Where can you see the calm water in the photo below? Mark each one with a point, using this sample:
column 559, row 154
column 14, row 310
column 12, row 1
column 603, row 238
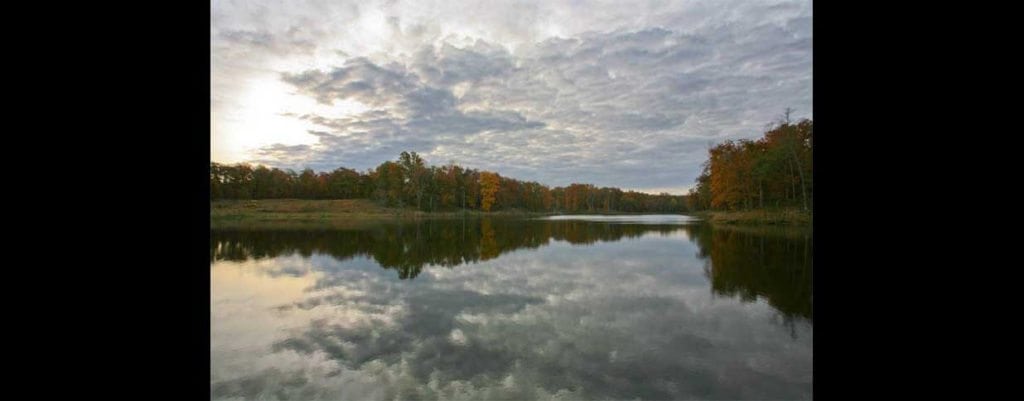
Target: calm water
column 622, row 307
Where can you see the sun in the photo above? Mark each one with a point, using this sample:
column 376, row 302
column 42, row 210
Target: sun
column 268, row 112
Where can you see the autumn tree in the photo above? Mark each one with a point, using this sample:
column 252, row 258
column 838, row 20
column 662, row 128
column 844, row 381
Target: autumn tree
column 775, row 170
column 410, row 181
column 488, row 189
column 389, row 184
column 699, row 197
column 414, row 177
column 343, row 183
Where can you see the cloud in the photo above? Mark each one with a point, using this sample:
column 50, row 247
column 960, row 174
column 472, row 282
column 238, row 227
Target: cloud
column 626, row 96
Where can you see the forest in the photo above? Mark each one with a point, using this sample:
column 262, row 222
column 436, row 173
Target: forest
column 409, row 182
column 773, row 172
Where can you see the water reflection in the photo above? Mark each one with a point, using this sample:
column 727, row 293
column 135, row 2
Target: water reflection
column 406, row 248
column 512, row 309
column 771, row 263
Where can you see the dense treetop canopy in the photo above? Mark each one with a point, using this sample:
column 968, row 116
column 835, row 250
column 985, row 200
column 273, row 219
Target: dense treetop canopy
column 410, row 182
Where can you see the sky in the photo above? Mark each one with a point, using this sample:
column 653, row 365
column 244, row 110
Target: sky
column 611, row 93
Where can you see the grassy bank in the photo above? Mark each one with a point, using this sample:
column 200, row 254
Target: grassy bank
column 790, row 217
column 340, row 213
column 354, row 213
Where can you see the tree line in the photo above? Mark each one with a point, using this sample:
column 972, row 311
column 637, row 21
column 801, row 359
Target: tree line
column 774, row 171
column 410, row 182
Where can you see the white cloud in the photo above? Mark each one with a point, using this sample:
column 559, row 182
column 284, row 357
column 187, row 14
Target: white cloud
column 607, row 92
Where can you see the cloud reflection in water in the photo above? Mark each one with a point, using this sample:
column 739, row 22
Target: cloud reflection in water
column 511, row 309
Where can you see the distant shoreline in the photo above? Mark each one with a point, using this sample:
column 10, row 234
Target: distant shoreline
column 784, row 217
column 355, row 213
column 340, row 213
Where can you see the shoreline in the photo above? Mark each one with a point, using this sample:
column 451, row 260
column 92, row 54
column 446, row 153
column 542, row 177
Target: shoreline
column 356, row 213
column 784, row 217
column 340, row 213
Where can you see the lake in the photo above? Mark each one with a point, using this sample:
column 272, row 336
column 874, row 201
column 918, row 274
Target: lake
column 568, row 307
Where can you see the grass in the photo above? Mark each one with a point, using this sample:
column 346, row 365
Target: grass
column 355, row 213
column 339, row 213
column 791, row 217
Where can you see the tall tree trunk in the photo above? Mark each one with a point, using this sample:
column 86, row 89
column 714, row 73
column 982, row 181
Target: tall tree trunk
column 761, row 193
column 803, row 185
column 792, row 182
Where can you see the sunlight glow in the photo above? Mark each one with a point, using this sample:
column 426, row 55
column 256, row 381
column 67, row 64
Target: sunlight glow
column 260, row 120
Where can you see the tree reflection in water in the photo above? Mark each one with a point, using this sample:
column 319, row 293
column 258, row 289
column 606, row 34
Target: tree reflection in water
column 627, row 320
column 408, row 247
column 773, row 264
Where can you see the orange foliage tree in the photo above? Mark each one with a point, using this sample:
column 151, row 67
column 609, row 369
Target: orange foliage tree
column 488, row 189
column 410, row 182
column 773, row 171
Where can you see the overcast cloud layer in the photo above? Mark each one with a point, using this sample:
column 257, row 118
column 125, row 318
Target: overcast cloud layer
column 625, row 94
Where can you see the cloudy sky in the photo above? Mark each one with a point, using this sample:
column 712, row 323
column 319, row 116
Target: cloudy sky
column 613, row 93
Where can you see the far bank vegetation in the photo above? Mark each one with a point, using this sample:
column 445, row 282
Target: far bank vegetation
column 768, row 180
column 409, row 183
